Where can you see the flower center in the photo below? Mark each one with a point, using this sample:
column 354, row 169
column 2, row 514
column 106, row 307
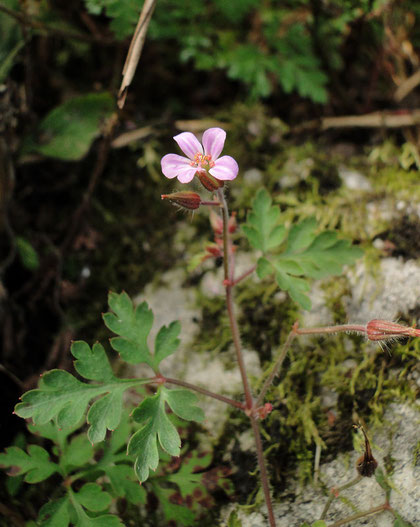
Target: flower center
column 202, row 161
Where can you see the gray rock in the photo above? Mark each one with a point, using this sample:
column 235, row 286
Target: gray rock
column 394, row 290
column 397, row 439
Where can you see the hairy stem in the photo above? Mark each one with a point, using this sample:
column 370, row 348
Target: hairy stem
column 276, row 367
column 229, row 280
column 244, row 275
column 374, row 510
column 338, row 490
column 203, row 391
column 228, row 272
column 345, row 328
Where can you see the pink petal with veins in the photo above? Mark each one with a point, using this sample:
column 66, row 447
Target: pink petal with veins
column 213, row 142
column 172, row 164
column 225, row 169
column 189, row 144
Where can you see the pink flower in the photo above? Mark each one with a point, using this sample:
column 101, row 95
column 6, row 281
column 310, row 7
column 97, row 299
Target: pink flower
column 198, row 159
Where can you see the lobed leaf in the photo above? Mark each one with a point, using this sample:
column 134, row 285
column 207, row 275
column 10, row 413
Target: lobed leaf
column 60, row 396
column 92, row 364
column 123, row 484
column 77, row 453
column 305, row 255
column 35, row 464
column 158, row 429
column 133, row 326
column 167, row 341
column 261, row 228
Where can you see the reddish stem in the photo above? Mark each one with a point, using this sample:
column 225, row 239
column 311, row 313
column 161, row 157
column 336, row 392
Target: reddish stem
column 228, row 280
column 203, row 391
column 211, row 203
column 243, row 276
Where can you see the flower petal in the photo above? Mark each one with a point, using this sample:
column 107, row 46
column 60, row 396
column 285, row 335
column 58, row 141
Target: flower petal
column 213, row 142
column 187, row 174
column 173, row 164
column 189, row 144
column 225, row 169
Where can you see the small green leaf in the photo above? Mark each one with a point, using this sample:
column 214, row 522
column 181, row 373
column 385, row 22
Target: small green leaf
column 59, row 395
column 261, row 229
column 62, row 397
column 264, row 268
column 78, row 452
column 69, row 129
column 105, row 414
column 183, row 404
column 35, row 464
column 167, row 341
column 233, row 520
column 121, row 478
column 27, row 253
column 92, row 497
column 300, row 235
column 55, row 514
column 92, row 363
column 133, row 326
column 400, row 522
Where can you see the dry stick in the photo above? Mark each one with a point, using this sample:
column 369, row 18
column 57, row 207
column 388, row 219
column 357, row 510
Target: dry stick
column 228, row 274
column 26, row 21
column 384, row 119
column 134, row 51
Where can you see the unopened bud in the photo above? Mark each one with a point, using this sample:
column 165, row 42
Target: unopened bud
column 216, row 222
column 208, row 181
column 232, row 224
column 214, row 250
column 385, row 330
column 263, row 411
column 186, row 199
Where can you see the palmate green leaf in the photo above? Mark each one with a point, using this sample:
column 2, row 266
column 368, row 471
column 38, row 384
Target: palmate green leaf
column 261, row 228
column 133, row 326
column 65, row 399
column 306, row 254
column 35, row 464
column 158, row 429
column 317, row 256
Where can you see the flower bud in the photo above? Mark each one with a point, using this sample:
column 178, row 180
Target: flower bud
column 232, row 224
column 263, row 411
column 186, row 199
column 385, row 330
column 208, row 181
column 216, row 222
